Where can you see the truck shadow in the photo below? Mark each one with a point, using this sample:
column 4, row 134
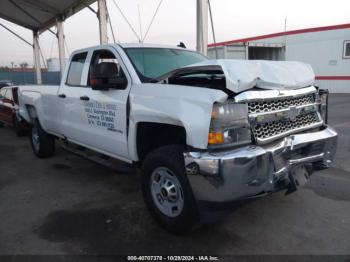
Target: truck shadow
column 126, row 229
column 325, row 185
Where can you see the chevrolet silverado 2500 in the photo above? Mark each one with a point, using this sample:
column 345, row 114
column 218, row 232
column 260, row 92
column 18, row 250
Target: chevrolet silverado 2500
column 202, row 131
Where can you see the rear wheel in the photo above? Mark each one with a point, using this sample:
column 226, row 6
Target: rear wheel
column 18, row 128
column 43, row 144
column 166, row 190
column 1, row 124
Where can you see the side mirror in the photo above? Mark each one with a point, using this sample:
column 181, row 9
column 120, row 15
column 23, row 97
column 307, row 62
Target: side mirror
column 105, row 76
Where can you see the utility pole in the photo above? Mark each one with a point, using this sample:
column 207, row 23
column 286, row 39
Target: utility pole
column 102, row 18
column 202, row 26
column 61, row 50
column 36, row 52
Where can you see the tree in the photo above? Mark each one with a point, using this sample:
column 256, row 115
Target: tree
column 23, row 65
column 4, row 69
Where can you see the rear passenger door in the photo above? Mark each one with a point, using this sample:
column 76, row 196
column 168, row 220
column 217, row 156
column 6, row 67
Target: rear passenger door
column 68, row 99
column 95, row 118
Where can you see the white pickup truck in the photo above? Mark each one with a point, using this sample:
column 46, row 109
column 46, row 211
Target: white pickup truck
column 202, row 131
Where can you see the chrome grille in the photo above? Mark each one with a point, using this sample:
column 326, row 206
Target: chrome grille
column 278, row 104
column 274, row 114
column 276, row 128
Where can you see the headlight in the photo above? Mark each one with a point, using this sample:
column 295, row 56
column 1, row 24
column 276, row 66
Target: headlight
column 323, row 99
column 229, row 125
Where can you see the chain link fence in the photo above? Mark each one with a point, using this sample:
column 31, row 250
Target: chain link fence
column 28, row 78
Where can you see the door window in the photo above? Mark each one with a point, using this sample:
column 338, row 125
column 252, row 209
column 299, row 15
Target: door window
column 108, row 67
column 2, row 93
column 346, row 49
column 76, row 69
column 8, row 94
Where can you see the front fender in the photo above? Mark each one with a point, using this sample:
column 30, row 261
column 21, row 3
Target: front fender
column 186, row 106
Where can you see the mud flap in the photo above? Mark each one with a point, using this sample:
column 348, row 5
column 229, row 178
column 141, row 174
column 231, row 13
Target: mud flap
column 298, row 177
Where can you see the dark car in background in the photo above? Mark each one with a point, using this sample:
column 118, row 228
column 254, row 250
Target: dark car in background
column 9, row 110
column 4, row 83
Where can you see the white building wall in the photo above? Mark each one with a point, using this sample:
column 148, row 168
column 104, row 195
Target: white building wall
column 228, row 52
column 334, row 86
column 236, row 52
column 323, row 50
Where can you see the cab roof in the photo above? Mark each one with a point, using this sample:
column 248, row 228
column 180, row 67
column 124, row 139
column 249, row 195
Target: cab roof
column 131, row 45
column 141, row 45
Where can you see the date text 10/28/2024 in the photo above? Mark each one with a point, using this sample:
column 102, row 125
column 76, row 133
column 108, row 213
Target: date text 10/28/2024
column 173, row 258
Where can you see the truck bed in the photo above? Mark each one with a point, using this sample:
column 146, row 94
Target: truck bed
column 46, row 102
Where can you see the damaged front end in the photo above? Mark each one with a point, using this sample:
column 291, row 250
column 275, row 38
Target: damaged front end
column 256, row 170
column 289, row 136
column 237, row 76
column 269, row 135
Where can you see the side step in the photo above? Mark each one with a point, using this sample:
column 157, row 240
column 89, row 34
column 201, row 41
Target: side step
column 101, row 159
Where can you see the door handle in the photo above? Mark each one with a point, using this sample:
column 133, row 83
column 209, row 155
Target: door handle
column 85, row 98
column 62, row 96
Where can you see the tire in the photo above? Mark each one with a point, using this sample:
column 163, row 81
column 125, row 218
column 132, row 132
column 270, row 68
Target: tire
column 18, row 129
column 43, row 144
column 165, row 183
column 1, row 124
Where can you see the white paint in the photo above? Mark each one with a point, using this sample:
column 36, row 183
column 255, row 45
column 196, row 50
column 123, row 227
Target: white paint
column 185, row 106
column 245, row 74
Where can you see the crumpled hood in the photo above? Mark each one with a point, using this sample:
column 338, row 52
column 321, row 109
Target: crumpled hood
column 242, row 75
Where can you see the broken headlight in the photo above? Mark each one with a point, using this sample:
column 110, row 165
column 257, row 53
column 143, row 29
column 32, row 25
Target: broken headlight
column 323, row 100
column 229, row 125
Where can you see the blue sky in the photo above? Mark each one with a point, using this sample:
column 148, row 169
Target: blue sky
column 175, row 22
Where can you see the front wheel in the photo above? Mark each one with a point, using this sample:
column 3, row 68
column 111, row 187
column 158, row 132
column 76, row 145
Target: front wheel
column 43, row 144
column 166, row 190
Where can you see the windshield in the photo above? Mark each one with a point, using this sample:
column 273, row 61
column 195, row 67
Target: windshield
column 151, row 63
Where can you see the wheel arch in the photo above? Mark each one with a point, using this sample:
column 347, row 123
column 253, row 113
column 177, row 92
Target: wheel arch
column 32, row 112
column 32, row 115
column 152, row 135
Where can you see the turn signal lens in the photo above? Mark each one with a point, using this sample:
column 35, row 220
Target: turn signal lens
column 215, row 138
column 229, row 125
column 93, row 81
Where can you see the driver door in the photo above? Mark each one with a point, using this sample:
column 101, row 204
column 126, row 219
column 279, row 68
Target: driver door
column 97, row 118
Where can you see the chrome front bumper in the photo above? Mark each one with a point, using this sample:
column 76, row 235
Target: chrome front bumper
column 254, row 170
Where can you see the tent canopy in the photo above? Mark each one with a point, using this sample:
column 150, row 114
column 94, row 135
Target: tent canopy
column 39, row 15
